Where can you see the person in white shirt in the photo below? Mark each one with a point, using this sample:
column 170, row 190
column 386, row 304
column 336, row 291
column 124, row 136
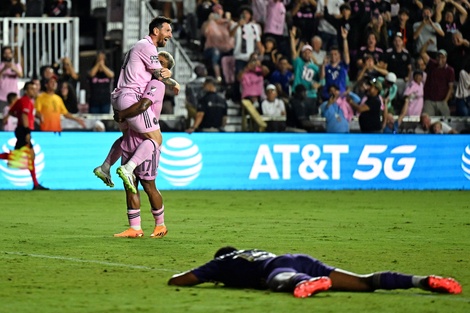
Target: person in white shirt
column 274, row 107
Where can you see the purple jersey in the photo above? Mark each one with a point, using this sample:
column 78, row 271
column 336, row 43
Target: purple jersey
column 240, row 269
column 252, row 268
column 138, row 66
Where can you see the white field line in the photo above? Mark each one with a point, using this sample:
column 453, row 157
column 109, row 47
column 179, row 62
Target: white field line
column 63, row 258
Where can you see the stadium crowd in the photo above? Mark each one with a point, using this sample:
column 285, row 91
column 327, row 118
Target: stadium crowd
column 377, row 60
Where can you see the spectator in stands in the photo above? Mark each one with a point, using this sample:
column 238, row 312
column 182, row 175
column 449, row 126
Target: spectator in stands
column 274, row 107
column 218, row 43
column 10, row 122
column 51, row 107
column 426, row 31
column 16, row 8
column 34, row 8
column 211, row 113
column 195, row 90
column 251, row 80
column 371, row 49
column 459, row 54
column 337, row 67
column 335, row 120
column 379, row 27
column 341, row 21
column 282, row 78
column 10, row 72
column 419, row 66
column 47, row 72
column 69, row 97
column 271, row 55
column 326, row 31
column 439, row 85
column 462, row 94
column 318, row 54
column 306, row 72
column 299, row 110
column 403, row 26
column 414, row 94
column 275, row 26
column 369, row 70
column 392, row 126
column 68, row 72
column 369, row 109
column 168, row 10
column 398, row 60
column 58, row 8
column 303, row 13
column 426, row 122
column 449, row 22
column 247, row 36
column 389, row 90
column 100, row 81
column 384, row 9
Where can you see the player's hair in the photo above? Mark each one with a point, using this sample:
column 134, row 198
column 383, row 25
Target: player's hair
column 224, row 251
column 11, row 96
column 27, row 84
column 169, row 57
column 158, row 23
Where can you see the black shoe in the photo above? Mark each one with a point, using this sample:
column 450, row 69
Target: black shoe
column 40, row 187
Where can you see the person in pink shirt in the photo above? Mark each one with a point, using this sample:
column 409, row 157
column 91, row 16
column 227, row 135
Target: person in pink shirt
column 414, row 94
column 10, row 72
column 10, row 122
column 251, row 80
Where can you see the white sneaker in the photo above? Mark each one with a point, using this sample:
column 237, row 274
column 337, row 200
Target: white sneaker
column 104, row 176
column 128, row 178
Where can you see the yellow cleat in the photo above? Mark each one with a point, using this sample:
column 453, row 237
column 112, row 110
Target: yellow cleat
column 159, row 232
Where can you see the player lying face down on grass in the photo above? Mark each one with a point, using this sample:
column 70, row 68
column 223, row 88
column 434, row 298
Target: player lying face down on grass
column 299, row 274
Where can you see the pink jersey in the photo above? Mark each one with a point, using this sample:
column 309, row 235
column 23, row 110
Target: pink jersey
column 414, row 92
column 275, row 17
column 138, row 66
column 12, row 121
column 132, row 139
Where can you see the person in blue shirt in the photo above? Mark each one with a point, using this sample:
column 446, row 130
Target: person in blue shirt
column 299, row 274
column 332, row 112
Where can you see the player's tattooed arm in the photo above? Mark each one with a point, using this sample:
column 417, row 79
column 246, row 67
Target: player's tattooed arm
column 134, row 110
column 164, row 75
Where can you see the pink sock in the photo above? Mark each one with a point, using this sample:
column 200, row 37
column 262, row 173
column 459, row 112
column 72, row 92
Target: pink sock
column 115, row 152
column 133, row 216
column 143, row 152
column 159, row 216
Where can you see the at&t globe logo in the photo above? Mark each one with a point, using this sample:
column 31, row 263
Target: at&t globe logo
column 180, row 161
column 466, row 162
column 17, row 177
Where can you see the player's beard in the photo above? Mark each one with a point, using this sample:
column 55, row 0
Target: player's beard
column 161, row 43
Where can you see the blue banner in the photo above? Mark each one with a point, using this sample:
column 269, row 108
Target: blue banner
column 257, row 161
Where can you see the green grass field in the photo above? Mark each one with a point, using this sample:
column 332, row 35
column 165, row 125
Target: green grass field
column 58, row 253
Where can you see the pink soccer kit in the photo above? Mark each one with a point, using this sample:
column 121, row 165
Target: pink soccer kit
column 134, row 146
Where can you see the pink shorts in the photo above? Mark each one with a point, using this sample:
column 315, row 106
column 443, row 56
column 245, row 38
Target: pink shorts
column 148, row 169
column 143, row 123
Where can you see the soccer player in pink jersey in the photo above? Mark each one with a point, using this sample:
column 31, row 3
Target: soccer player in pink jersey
column 140, row 65
column 135, row 148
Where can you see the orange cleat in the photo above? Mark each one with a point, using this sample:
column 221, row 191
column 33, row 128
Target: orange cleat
column 444, row 285
column 130, row 233
column 310, row 287
column 159, row 232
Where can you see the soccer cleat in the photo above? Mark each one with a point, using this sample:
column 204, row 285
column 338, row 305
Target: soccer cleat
column 104, row 176
column 310, row 287
column 128, row 178
column 130, row 233
column 444, row 285
column 159, row 232
column 40, row 187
